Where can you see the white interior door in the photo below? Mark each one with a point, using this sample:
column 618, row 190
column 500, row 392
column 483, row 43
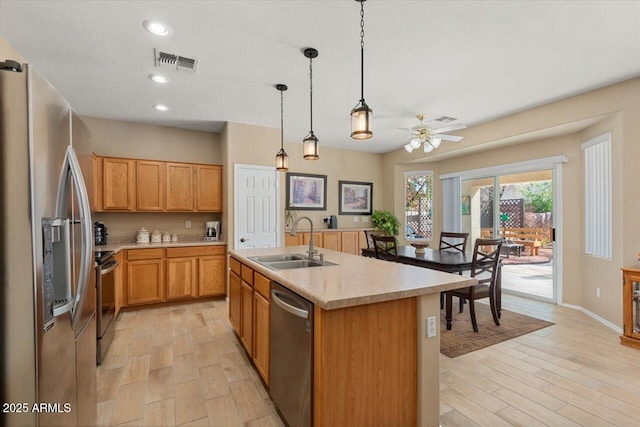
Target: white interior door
column 255, row 206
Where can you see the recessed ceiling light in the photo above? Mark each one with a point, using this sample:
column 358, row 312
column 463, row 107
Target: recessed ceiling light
column 161, row 107
column 158, row 78
column 157, row 28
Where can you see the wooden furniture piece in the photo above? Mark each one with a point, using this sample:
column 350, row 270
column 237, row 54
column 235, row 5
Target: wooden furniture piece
column 484, row 268
column 631, row 307
column 509, row 245
column 385, row 247
column 156, row 275
column 139, row 185
column 531, row 237
column 454, row 242
column 250, row 313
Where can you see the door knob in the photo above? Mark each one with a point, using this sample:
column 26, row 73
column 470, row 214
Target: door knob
column 242, row 240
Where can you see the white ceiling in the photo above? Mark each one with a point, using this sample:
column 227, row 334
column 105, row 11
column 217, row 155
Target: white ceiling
column 473, row 60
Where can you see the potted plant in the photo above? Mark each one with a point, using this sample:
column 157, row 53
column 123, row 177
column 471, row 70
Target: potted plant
column 290, row 216
column 385, row 221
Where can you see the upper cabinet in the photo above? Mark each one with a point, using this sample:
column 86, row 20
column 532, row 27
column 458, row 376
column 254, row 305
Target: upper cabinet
column 136, row 185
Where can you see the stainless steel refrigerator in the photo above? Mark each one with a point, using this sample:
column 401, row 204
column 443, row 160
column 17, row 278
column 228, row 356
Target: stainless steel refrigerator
column 48, row 272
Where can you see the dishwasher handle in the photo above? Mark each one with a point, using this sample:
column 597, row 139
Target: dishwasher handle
column 288, row 307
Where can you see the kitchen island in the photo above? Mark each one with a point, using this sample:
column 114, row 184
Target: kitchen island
column 372, row 361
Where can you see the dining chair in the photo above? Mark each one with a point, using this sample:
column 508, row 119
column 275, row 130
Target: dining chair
column 386, row 247
column 369, row 235
column 454, row 242
column 485, row 268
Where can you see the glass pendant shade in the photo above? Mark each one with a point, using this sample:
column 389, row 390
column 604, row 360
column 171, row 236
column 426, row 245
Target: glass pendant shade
column 361, row 121
column 282, row 161
column 435, row 142
column 428, row 147
column 310, row 147
column 409, row 148
column 415, row 143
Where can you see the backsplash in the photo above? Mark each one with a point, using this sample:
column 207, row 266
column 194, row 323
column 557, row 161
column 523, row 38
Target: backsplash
column 122, row 226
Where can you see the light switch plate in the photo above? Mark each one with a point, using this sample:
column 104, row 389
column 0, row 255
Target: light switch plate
column 365, row 219
column 431, row 326
column 187, row 224
column 356, row 218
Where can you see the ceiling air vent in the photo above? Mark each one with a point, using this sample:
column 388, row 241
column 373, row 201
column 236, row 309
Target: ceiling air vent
column 175, row 62
column 445, row 119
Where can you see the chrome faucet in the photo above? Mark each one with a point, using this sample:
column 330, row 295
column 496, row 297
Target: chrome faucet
column 312, row 250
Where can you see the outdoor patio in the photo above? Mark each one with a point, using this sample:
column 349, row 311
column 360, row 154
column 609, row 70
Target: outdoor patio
column 528, row 274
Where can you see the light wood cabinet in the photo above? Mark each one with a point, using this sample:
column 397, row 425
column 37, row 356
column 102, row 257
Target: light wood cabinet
column 317, row 239
column 211, row 272
column 181, row 278
column 140, row 185
column 246, row 313
column 261, row 325
column 150, row 181
column 235, row 300
column 145, row 281
column 179, row 187
column 290, row 240
column 332, row 240
column 119, row 280
column 631, row 307
column 208, row 188
column 117, row 182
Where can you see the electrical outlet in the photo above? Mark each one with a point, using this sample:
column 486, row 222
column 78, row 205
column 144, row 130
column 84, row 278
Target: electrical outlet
column 356, row 218
column 365, row 219
column 431, row 326
column 598, row 292
column 187, row 224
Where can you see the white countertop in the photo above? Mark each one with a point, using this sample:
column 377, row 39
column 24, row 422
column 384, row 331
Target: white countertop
column 116, row 247
column 355, row 280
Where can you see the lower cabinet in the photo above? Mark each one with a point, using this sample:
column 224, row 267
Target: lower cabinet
column 342, row 241
column 119, row 280
column 165, row 274
column 250, row 312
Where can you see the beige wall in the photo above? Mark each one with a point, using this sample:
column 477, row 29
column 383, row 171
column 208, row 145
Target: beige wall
column 612, row 109
column 255, row 145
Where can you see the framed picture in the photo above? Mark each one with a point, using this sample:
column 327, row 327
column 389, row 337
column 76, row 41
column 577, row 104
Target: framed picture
column 306, row 192
column 355, row 198
column 466, row 205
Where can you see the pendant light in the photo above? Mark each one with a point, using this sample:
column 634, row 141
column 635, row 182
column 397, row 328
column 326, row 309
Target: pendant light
column 282, row 160
column 310, row 142
column 361, row 114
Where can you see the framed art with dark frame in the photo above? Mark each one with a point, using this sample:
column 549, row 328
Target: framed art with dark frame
column 356, row 198
column 306, row 192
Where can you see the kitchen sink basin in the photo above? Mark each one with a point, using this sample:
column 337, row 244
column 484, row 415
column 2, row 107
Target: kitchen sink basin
column 276, row 258
column 286, row 262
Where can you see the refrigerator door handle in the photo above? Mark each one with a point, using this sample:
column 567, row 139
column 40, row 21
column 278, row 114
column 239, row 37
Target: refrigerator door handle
column 71, row 169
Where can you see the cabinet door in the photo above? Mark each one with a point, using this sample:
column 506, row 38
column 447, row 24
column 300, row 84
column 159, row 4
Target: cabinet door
column 149, row 185
column 350, row 243
column 118, row 281
column 208, row 188
column 246, row 312
column 144, row 281
column 235, row 300
column 317, row 239
column 117, row 184
column 261, row 322
column 362, row 240
column 331, row 240
column 290, row 240
column 179, row 187
column 181, row 278
column 96, row 197
column 211, row 275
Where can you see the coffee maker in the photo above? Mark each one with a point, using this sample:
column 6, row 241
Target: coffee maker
column 212, row 231
column 100, row 233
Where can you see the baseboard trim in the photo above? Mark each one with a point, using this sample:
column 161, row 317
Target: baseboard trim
column 595, row 316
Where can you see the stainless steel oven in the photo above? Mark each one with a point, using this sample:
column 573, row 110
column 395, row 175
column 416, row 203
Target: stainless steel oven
column 106, row 303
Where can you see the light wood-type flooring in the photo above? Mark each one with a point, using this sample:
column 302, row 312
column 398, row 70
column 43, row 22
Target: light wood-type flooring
column 182, row 365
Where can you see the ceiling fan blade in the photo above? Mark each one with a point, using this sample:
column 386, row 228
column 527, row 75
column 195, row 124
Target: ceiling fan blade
column 449, row 128
column 450, row 138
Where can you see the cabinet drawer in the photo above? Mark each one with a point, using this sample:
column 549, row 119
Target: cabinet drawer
column 247, row 274
column 262, row 284
column 190, row 251
column 234, row 265
column 136, row 254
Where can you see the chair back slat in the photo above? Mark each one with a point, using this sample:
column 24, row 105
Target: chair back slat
column 486, row 261
column 369, row 235
column 386, row 247
column 453, row 241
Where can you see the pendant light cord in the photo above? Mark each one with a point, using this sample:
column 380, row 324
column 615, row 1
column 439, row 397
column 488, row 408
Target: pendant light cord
column 281, row 120
column 362, row 51
column 311, row 91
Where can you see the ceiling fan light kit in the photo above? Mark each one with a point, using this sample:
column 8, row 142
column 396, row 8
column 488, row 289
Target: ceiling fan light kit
column 361, row 114
column 429, row 138
column 310, row 142
column 282, row 159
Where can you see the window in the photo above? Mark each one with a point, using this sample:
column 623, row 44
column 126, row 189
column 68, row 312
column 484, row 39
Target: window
column 418, row 208
column 597, row 196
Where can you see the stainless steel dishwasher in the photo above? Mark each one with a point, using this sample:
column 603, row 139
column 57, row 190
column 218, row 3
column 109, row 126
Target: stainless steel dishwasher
column 291, row 355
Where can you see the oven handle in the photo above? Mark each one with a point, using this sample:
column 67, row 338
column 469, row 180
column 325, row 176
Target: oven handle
column 112, row 266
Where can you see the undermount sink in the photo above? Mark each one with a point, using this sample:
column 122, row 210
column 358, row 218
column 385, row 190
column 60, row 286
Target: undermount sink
column 286, row 262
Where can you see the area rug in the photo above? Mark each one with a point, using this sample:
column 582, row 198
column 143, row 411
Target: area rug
column 462, row 340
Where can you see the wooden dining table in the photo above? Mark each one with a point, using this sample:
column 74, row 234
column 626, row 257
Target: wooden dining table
column 441, row 260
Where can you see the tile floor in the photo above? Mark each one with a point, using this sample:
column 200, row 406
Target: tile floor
column 180, row 365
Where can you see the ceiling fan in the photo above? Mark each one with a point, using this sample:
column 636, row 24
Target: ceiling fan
column 431, row 132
